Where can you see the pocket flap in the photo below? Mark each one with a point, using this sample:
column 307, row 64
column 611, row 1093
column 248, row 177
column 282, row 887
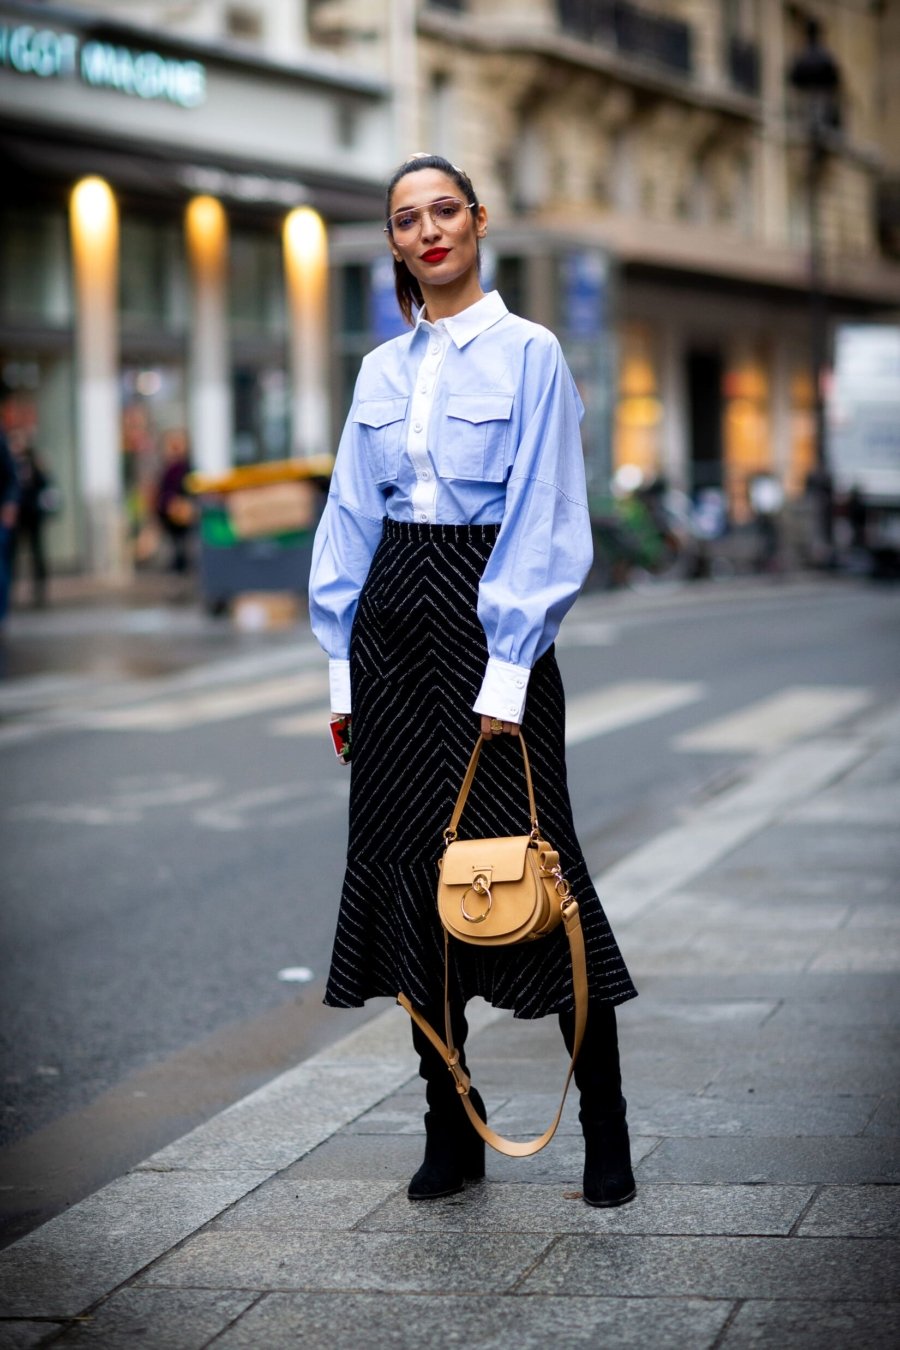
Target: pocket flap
column 379, row 412
column 480, row 407
column 497, row 859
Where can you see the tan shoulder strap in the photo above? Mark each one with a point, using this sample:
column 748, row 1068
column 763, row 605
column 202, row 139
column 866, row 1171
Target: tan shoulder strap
column 448, row 1052
column 450, row 832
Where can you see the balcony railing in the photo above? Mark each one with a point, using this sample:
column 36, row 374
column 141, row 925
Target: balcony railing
column 742, row 61
column 628, row 29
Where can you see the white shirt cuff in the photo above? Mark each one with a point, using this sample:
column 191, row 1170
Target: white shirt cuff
column 339, row 680
column 503, row 691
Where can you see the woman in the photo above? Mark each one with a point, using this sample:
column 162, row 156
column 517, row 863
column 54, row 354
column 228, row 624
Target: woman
column 455, row 538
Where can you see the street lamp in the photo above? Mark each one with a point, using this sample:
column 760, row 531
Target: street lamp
column 816, row 78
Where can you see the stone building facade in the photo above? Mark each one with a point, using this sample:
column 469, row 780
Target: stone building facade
column 666, row 133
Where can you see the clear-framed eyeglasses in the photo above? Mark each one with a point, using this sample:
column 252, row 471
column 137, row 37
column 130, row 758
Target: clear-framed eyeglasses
column 449, row 213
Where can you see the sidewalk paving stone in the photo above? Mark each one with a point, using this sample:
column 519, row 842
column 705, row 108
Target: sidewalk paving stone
column 853, row 1211
column 164, row 1319
column 750, row 1161
column 68, row 1263
column 391, row 1262
column 521, row 1208
column 350, row 1321
column 721, row 1267
column 813, row 1325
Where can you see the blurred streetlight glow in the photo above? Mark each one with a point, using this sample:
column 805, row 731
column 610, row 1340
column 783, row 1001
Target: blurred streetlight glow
column 305, row 250
column 210, row 416
column 94, row 220
column 305, row 244
column 206, row 227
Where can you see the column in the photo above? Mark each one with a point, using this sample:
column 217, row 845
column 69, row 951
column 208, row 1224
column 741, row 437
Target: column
column 210, row 414
column 306, row 273
column 674, row 406
column 94, row 227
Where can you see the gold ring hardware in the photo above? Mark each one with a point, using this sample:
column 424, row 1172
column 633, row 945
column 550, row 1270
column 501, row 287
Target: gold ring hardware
column 449, row 836
column 480, row 886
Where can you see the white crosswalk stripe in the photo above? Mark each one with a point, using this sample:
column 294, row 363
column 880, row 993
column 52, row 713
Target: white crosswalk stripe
column 214, row 705
column 622, row 705
column 587, row 715
column 770, row 724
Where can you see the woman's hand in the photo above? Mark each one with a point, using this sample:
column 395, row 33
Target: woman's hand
column 492, row 726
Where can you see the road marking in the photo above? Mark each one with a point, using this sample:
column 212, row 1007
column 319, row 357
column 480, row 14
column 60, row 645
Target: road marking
column 622, row 705
column 670, row 860
column 587, row 633
column 312, row 723
column 214, row 705
column 587, row 715
column 271, row 807
column 129, row 800
column 770, row 724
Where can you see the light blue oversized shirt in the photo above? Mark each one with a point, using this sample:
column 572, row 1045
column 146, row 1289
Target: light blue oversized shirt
column 471, row 420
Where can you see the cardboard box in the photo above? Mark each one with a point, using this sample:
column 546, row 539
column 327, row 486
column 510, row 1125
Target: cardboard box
column 276, row 508
column 263, row 611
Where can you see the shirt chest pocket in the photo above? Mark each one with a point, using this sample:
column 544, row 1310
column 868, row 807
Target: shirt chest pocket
column 477, row 440
column 380, row 423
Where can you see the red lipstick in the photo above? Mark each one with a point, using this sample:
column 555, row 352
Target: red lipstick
column 435, row 255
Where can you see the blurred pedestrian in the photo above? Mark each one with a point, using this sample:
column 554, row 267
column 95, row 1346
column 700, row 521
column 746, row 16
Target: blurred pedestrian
column 766, row 502
column 455, row 538
column 174, row 506
column 38, row 500
column 9, row 513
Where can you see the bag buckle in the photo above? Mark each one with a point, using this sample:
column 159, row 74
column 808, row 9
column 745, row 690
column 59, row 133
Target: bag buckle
column 460, row 1077
column 481, row 885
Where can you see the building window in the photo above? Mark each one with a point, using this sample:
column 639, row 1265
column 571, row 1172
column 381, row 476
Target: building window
column 347, row 116
column 440, row 114
column 152, row 281
column 256, row 284
column 244, row 23
column 35, row 282
column 624, row 171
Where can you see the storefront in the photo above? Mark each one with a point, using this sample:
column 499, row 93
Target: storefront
column 162, row 256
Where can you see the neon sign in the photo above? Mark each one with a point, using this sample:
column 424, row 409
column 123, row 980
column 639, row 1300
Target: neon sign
column 49, row 55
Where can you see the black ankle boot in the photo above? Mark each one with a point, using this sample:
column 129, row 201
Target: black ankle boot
column 454, row 1152
column 608, row 1178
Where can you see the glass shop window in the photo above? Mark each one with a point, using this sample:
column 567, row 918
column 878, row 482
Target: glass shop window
column 35, row 279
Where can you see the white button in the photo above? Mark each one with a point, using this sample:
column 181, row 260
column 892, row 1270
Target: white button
column 520, row 683
column 425, row 474
column 417, row 426
column 423, row 516
column 434, row 348
column 423, row 388
column 513, row 709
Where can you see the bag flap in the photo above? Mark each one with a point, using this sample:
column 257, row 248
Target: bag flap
column 498, row 859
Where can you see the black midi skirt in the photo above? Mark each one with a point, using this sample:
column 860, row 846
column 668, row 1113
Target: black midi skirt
column 417, row 659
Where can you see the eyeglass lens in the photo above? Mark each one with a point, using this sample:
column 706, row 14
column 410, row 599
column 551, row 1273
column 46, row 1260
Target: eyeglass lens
column 449, row 211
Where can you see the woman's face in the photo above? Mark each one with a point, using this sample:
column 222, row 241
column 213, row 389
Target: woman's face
column 437, row 247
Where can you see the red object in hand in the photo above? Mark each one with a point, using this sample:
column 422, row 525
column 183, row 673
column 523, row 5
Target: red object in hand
column 340, row 734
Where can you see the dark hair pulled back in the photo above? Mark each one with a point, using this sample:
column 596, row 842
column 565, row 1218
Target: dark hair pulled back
column 409, row 293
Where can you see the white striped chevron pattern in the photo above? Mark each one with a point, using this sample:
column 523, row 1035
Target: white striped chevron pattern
column 417, row 659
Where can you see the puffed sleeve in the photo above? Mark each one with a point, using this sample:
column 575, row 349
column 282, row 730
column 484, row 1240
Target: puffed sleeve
column 345, row 543
column 544, row 548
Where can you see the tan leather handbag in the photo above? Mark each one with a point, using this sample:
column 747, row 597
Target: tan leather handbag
column 497, row 892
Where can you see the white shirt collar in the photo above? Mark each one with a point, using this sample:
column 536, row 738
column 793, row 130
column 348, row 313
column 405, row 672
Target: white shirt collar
column 466, row 325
